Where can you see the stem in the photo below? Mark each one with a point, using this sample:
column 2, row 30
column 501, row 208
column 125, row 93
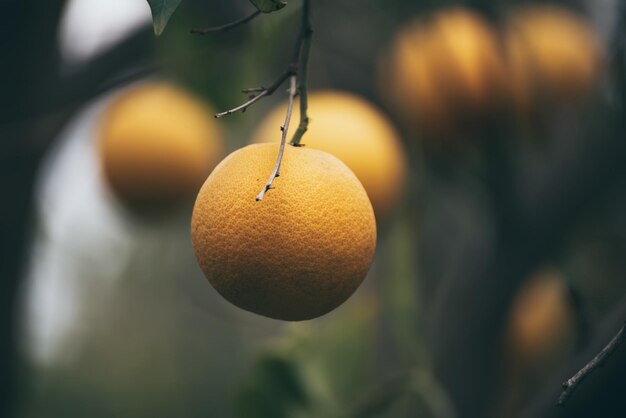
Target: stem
column 298, row 70
column 298, row 66
column 283, row 140
column 262, row 92
column 297, row 73
column 226, row 27
column 306, row 33
column 570, row 384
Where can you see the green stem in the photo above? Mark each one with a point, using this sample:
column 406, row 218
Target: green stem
column 306, row 33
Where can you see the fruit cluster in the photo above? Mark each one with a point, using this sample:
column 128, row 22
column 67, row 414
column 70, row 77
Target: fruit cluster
column 308, row 245
column 453, row 73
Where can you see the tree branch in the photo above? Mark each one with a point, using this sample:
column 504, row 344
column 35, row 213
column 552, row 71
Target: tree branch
column 297, row 67
column 569, row 386
column 283, row 140
column 261, row 92
column 602, row 392
column 297, row 72
column 306, row 33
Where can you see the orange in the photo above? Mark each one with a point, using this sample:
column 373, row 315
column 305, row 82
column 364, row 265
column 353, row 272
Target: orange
column 554, row 55
column 298, row 253
column 408, row 81
column 157, row 145
column 541, row 321
column 353, row 130
column 445, row 73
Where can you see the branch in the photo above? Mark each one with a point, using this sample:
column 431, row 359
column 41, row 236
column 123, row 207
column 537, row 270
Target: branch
column 283, row 140
column 226, row 27
column 299, row 62
column 297, row 73
column 261, row 92
column 570, row 384
column 600, row 394
column 304, row 48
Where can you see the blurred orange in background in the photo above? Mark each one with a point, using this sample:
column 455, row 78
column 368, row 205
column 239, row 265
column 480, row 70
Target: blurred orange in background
column 539, row 335
column 157, row 145
column 554, row 57
column 355, row 131
column 445, row 74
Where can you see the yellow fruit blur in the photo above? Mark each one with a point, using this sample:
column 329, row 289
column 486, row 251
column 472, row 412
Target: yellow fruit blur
column 357, row 133
column 157, row 145
column 554, row 55
column 445, row 75
column 541, row 321
column 298, row 253
column 408, row 81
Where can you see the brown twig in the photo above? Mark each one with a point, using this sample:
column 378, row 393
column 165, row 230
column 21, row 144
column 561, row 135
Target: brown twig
column 297, row 67
column 283, row 140
column 253, row 90
column 297, row 73
column 226, row 27
column 261, row 92
column 570, row 384
column 304, row 48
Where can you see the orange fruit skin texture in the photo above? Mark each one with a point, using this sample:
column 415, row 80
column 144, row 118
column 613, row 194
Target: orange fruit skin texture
column 353, row 130
column 554, row 55
column 298, row 253
column 445, row 74
column 541, row 321
column 157, row 146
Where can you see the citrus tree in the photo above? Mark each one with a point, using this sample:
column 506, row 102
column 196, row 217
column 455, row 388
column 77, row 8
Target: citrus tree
column 475, row 170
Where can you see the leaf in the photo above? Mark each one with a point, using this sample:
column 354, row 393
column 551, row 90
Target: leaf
column 162, row 10
column 268, row 6
column 273, row 390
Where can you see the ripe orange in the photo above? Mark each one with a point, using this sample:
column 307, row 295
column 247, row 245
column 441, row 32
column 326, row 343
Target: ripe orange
column 445, row 74
column 554, row 56
column 157, row 145
column 298, row 253
column 541, row 320
column 353, row 130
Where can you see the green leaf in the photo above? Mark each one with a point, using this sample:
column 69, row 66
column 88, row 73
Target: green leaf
column 273, row 390
column 268, row 6
column 162, row 10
